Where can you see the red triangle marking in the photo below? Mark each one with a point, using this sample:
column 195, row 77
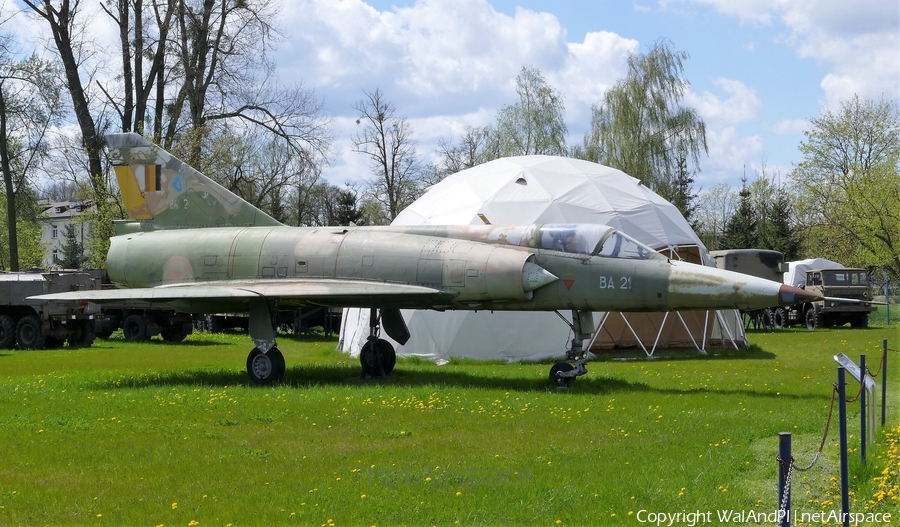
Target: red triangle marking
column 569, row 283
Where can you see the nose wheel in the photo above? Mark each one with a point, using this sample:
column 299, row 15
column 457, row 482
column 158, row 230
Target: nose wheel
column 563, row 374
column 558, row 375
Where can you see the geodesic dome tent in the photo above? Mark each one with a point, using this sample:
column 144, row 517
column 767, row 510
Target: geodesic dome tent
column 549, row 189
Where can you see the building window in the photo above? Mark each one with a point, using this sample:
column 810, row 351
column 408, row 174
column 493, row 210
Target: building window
column 55, row 255
column 54, row 232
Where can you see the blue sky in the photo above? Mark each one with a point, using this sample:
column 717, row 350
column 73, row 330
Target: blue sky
column 758, row 69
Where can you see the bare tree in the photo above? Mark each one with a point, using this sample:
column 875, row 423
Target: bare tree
column 30, row 103
column 144, row 44
column 715, row 208
column 387, row 140
column 67, row 31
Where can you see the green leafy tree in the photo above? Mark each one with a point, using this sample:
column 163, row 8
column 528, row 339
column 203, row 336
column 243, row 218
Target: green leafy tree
column 776, row 228
column 534, row 124
column 849, row 184
column 27, row 231
column 642, row 128
column 741, row 229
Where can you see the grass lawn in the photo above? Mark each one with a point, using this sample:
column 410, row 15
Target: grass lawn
column 159, row 434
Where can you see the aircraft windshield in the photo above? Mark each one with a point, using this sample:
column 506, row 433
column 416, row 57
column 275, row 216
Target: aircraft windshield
column 593, row 239
column 618, row 245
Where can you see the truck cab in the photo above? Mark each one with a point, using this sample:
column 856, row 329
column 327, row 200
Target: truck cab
column 852, row 284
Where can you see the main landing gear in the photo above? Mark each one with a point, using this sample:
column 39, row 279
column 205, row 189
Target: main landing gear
column 265, row 363
column 377, row 356
column 563, row 374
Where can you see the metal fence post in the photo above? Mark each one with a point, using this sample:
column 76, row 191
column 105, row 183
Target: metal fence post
column 845, row 477
column 784, row 469
column 863, row 415
column 884, row 360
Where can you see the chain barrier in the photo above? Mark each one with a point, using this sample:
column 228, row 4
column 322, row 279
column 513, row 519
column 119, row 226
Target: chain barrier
column 787, row 483
column 834, row 392
column 880, row 365
column 791, row 466
column 862, row 386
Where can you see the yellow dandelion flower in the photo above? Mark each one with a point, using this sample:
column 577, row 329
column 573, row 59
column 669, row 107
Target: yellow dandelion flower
column 174, row 506
column 459, row 493
column 362, row 497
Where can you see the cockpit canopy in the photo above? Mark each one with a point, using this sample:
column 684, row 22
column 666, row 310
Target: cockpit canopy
column 593, row 239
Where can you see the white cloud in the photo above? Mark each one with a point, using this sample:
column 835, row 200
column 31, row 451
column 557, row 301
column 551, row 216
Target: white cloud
column 430, row 49
column 742, row 104
column 728, row 155
column 591, row 68
column 791, row 126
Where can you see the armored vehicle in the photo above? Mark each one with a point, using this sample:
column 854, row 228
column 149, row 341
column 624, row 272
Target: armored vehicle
column 38, row 324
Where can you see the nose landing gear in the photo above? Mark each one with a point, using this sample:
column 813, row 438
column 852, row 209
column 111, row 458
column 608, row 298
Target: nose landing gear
column 563, row 374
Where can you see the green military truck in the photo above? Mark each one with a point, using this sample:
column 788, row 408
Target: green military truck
column 31, row 324
column 834, row 284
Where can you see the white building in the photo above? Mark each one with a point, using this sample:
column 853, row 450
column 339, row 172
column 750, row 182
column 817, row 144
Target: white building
column 54, row 218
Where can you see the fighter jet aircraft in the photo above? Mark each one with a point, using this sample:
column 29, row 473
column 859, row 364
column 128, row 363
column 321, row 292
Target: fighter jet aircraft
column 192, row 244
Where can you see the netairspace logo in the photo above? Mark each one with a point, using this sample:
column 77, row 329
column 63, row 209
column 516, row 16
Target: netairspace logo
column 723, row 516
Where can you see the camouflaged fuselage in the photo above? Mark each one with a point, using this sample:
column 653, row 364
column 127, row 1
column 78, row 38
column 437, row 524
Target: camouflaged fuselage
column 471, row 274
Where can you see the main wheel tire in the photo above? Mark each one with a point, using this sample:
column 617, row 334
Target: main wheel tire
column 382, row 352
column 83, row 336
column 812, row 319
column 556, row 379
column 265, row 368
column 7, row 332
column 30, row 333
column 134, row 328
column 779, row 318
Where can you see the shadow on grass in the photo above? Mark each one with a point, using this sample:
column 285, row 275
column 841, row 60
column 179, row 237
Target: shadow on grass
column 306, row 376
column 201, row 341
column 754, row 353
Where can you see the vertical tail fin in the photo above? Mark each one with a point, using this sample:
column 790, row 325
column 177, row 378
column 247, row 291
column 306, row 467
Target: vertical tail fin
column 160, row 189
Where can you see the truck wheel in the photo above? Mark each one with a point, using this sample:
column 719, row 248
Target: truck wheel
column 7, row 332
column 779, row 319
column 30, row 333
column 173, row 333
column 812, row 319
column 860, row 320
column 215, row 324
column 83, row 335
column 134, row 328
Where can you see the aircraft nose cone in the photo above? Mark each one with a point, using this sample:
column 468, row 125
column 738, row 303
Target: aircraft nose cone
column 788, row 295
